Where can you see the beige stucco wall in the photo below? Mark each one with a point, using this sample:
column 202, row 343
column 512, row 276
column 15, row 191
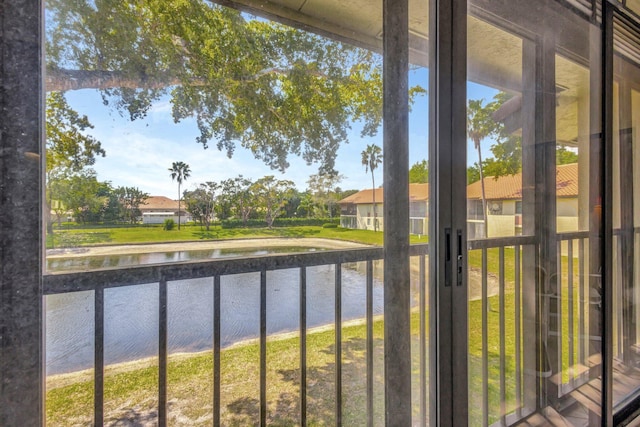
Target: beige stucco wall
column 365, row 216
column 567, row 207
column 501, row 225
column 509, row 207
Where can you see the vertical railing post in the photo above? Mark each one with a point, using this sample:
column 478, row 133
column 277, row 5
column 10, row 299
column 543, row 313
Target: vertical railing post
column 502, row 329
column 338, row 343
column 485, row 340
column 216, row 351
column 518, row 328
column 263, row 347
column 423, row 343
column 369, row 310
column 303, row 346
column 98, row 357
column 162, row 353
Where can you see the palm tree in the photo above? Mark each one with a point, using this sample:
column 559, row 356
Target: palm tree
column 371, row 159
column 480, row 124
column 180, row 172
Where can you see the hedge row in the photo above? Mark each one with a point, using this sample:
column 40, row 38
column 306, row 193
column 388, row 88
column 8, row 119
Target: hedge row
column 279, row 222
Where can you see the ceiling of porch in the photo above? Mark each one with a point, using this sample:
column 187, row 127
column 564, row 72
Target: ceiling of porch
column 494, row 55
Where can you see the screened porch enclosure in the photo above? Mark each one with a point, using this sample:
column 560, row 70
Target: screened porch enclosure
column 518, row 306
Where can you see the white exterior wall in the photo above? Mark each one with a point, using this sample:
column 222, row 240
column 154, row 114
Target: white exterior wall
column 365, row 216
column 160, row 217
column 501, row 225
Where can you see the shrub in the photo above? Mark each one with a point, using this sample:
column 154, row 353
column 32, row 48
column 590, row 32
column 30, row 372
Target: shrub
column 169, row 224
column 280, row 222
column 329, row 225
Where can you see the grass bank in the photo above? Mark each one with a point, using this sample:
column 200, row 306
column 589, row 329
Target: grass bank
column 131, row 389
column 123, row 235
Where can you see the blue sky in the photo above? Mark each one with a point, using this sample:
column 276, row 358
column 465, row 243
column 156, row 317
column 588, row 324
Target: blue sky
column 140, row 152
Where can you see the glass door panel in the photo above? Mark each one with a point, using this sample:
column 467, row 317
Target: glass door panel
column 495, row 222
column 532, row 216
column 626, row 215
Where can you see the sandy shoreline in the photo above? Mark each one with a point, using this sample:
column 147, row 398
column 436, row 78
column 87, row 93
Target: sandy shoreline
column 257, row 243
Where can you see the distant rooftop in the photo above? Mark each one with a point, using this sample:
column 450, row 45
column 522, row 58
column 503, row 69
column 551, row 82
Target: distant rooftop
column 508, row 187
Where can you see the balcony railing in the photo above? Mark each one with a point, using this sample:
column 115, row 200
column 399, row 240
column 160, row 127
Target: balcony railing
column 507, row 286
column 99, row 280
column 512, row 408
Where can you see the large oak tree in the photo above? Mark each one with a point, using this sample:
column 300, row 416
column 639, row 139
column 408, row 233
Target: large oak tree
column 272, row 89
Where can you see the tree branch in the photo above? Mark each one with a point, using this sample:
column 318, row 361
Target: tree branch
column 62, row 80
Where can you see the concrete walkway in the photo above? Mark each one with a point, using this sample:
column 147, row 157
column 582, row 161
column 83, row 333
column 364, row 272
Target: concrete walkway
column 258, row 243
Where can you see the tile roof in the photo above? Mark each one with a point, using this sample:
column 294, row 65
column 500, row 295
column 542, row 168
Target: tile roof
column 507, row 187
column 416, row 192
column 156, row 203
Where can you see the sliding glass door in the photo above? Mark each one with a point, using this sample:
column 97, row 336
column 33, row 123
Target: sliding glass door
column 533, row 147
column 626, row 214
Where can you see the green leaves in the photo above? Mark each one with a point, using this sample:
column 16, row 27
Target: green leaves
column 419, row 172
column 271, row 89
column 68, row 144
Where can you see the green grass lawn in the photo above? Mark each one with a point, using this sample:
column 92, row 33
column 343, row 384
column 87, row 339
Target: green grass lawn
column 138, row 234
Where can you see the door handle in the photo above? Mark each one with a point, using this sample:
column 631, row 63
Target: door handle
column 459, row 260
column 447, row 257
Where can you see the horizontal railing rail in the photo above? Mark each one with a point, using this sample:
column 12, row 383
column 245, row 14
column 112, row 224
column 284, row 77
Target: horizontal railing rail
column 56, row 283
column 497, row 242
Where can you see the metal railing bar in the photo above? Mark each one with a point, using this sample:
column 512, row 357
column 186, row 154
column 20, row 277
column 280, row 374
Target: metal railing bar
column 558, row 304
column 502, row 309
column 570, row 319
column 98, row 369
column 162, row 353
column 617, row 292
column 572, row 235
column 518, row 326
column 485, row 342
column 303, row 347
column 501, row 242
column 581, row 292
column 216, row 351
column 369, row 309
column 423, row 342
column 263, row 347
column 338, row 342
column 54, row 283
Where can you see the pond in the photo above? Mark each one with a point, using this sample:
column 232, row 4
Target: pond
column 131, row 313
column 79, row 263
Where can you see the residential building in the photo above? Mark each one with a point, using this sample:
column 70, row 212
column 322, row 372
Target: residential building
column 357, row 210
column 504, row 204
column 157, row 209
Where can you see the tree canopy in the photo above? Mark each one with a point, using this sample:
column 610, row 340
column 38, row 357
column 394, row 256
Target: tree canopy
column 269, row 88
column 419, row 172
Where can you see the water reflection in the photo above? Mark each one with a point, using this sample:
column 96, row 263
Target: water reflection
column 79, row 263
column 131, row 314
